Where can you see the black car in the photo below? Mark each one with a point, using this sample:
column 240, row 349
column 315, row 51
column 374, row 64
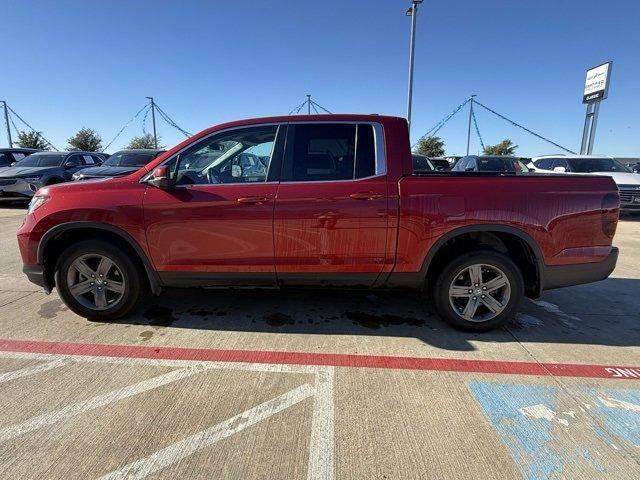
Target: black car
column 39, row 169
column 9, row 156
column 120, row 163
column 488, row 163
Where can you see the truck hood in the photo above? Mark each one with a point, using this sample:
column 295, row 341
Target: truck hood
column 622, row 178
column 13, row 172
column 106, row 171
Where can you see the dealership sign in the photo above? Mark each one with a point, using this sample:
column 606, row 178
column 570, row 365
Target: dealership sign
column 596, row 85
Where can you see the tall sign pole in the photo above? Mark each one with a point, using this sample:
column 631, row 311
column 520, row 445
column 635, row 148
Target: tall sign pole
column 153, row 120
column 411, row 12
column 596, row 89
column 469, row 127
column 6, row 119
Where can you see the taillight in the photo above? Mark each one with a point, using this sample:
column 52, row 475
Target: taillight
column 610, row 213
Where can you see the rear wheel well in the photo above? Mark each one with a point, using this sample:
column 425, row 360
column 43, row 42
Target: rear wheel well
column 509, row 244
column 56, row 245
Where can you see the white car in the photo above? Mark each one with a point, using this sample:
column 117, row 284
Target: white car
column 627, row 181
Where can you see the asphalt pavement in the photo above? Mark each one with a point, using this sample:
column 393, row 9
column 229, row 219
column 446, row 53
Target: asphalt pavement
column 319, row 384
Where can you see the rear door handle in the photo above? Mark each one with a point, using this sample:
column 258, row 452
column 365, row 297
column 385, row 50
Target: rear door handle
column 365, row 196
column 253, row 200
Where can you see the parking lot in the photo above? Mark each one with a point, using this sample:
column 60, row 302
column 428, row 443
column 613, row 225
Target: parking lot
column 297, row 384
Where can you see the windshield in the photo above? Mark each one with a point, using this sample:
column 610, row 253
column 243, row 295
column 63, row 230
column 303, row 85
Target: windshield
column 129, row 159
column 422, row 164
column 589, row 165
column 41, row 160
column 497, row 164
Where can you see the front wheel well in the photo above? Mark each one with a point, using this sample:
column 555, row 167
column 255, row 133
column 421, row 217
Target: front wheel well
column 53, row 181
column 509, row 244
column 52, row 249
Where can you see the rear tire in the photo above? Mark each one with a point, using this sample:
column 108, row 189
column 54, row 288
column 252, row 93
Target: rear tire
column 478, row 291
column 99, row 281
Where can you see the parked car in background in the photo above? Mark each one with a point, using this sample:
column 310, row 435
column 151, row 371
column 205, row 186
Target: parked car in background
column 486, row 163
column 339, row 205
column 41, row 169
column 8, row 156
column 422, row 163
column 120, row 163
column 628, row 182
column 450, row 159
column 632, row 163
column 441, row 163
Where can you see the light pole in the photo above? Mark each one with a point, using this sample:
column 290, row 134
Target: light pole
column 153, row 119
column 6, row 119
column 413, row 13
column 469, row 127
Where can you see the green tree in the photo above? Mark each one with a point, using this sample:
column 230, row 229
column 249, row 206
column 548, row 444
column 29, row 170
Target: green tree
column 31, row 140
column 505, row 147
column 430, row 146
column 86, row 140
column 145, row 141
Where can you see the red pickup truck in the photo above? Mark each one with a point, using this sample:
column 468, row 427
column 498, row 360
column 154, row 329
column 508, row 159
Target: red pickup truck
column 318, row 201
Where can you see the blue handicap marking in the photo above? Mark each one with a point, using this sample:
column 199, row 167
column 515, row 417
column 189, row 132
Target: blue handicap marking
column 549, row 433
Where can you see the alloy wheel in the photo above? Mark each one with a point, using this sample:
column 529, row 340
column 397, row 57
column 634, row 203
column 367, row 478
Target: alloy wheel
column 480, row 292
column 96, row 281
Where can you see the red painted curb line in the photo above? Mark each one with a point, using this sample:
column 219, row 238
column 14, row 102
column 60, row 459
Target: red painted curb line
column 326, row 359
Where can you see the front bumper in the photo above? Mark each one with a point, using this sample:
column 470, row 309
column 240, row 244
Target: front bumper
column 36, row 275
column 20, row 188
column 558, row 276
column 629, row 200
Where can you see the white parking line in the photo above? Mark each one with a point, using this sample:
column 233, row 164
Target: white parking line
column 27, row 371
column 244, row 366
column 321, row 444
column 184, row 448
column 72, row 410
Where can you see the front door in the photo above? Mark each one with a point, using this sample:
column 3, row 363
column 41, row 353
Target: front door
column 215, row 225
column 331, row 213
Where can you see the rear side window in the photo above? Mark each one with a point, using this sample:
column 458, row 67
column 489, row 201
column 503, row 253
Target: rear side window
column 325, row 152
column 561, row 162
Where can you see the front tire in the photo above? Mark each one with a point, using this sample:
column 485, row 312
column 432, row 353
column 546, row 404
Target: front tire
column 478, row 291
column 99, row 281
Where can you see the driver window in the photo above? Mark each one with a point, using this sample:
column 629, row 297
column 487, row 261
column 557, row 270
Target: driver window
column 237, row 156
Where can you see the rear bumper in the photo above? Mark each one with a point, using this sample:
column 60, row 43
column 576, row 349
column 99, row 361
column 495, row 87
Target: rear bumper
column 566, row 275
column 35, row 274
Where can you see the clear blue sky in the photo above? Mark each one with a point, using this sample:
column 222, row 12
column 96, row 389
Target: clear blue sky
column 68, row 64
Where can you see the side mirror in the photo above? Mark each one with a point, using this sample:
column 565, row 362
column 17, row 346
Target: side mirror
column 236, row 171
column 468, row 169
column 160, row 177
column 70, row 165
column 532, row 169
column 559, row 169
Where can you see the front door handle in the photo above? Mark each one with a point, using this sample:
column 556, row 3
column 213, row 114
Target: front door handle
column 365, row 196
column 253, row 200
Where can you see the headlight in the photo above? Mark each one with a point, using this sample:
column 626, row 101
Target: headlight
column 36, row 202
column 32, row 179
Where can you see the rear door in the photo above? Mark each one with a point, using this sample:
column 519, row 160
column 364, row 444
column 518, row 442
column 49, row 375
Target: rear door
column 331, row 210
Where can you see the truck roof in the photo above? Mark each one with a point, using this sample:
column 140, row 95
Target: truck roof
column 333, row 117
